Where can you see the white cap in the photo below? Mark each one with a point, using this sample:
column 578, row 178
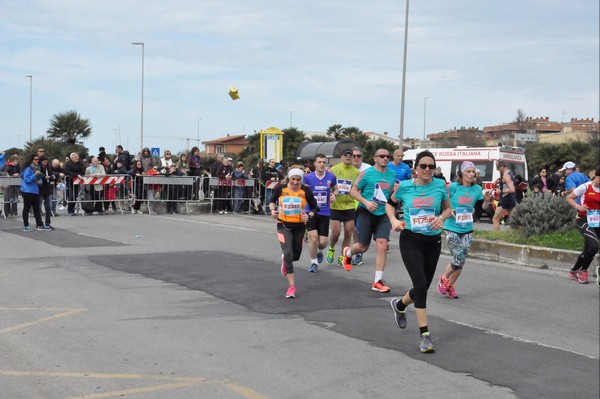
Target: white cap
column 568, row 165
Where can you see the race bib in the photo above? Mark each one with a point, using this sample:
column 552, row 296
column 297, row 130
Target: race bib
column 344, row 186
column 291, row 206
column 419, row 219
column 593, row 218
column 379, row 195
column 464, row 217
column 321, row 198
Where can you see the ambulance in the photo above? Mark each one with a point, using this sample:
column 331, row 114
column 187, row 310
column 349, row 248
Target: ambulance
column 484, row 158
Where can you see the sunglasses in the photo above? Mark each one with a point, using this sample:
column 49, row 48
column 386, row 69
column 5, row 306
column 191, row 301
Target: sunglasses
column 382, row 156
column 426, row 166
column 35, row 159
column 356, row 156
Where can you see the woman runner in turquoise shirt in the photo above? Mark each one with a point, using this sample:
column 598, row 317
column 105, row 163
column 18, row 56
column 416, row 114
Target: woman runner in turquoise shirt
column 464, row 194
column 426, row 207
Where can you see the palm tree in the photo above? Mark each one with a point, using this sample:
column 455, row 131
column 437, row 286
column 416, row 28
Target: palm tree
column 69, row 127
column 292, row 138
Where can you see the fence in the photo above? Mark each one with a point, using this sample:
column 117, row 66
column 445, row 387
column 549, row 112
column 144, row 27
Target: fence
column 237, row 195
column 12, row 187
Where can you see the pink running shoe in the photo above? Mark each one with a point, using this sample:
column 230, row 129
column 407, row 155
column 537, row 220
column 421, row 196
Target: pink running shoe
column 451, row 292
column 291, row 292
column 442, row 285
column 583, row 277
column 283, row 272
column 573, row 275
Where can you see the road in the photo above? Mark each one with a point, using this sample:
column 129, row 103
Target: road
column 193, row 307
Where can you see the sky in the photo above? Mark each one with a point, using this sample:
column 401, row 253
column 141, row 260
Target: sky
column 308, row 64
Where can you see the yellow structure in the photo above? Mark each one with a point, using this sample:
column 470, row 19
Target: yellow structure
column 271, row 144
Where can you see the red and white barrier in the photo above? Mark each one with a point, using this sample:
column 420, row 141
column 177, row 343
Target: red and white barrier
column 99, row 180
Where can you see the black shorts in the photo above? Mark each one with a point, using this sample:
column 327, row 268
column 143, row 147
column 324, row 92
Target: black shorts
column 507, row 202
column 319, row 223
column 372, row 226
column 343, row 216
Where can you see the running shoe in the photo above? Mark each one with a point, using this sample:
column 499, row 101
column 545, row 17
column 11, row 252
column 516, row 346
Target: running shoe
column 451, row 292
column 574, row 275
column 313, row 268
column 43, row 228
column 347, row 261
column 425, row 344
column 283, row 272
column 357, row 260
column 341, row 261
column 320, row 257
column 442, row 285
column 330, row 255
column 583, row 277
column 380, row 287
column 27, row 229
column 49, row 227
column 291, row 292
column 400, row 316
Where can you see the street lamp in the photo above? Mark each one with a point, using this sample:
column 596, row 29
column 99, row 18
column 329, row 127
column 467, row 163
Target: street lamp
column 142, row 114
column 401, row 135
column 291, row 112
column 424, row 116
column 199, row 119
column 30, row 102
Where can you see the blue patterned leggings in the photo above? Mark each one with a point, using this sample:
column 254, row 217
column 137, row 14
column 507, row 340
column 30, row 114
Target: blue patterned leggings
column 459, row 245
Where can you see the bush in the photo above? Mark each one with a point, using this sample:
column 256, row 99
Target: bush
column 542, row 216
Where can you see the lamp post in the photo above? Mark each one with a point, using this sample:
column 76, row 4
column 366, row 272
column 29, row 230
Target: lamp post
column 142, row 114
column 199, row 119
column 424, row 116
column 291, row 113
column 401, row 135
column 30, row 103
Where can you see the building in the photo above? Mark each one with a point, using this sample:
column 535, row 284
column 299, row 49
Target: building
column 227, row 145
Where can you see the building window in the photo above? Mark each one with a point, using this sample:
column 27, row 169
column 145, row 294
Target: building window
column 220, row 149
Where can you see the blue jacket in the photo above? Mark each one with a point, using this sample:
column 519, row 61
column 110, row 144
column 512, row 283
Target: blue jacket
column 29, row 181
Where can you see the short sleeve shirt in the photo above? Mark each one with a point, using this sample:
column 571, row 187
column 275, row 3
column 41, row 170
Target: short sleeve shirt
column 321, row 188
column 376, row 186
column 462, row 202
column 421, row 203
column 345, row 177
column 402, row 171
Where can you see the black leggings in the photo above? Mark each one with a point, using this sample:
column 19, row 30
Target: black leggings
column 590, row 244
column 420, row 254
column 291, row 238
column 31, row 201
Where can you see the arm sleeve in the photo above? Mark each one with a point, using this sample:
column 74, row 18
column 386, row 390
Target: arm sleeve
column 275, row 195
column 310, row 199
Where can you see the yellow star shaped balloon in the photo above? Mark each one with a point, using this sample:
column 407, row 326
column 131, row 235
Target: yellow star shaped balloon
column 233, row 93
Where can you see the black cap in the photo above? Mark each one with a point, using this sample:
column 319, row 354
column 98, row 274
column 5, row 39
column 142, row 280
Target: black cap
column 347, row 152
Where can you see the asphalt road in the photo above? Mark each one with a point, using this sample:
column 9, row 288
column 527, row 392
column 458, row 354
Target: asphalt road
column 194, row 307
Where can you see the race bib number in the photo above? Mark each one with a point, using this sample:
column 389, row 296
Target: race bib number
column 419, row 219
column 291, row 206
column 379, row 195
column 321, row 199
column 344, row 186
column 464, row 217
column 593, row 218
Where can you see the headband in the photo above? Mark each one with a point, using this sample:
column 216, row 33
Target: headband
column 466, row 165
column 295, row 172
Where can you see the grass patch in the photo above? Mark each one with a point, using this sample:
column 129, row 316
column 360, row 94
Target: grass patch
column 570, row 240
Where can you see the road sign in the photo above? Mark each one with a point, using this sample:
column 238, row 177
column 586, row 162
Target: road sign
column 155, row 151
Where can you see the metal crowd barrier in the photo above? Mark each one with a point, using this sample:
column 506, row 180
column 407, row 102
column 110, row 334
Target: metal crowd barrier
column 169, row 190
column 225, row 193
column 12, row 187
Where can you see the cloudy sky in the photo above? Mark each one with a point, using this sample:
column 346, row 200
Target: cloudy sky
column 314, row 63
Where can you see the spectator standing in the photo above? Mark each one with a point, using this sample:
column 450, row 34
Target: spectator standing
column 588, row 223
column 195, row 169
column 343, row 209
column 74, row 169
column 123, row 157
column 573, row 178
column 11, row 193
column 238, row 190
column 110, row 190
column 541, row 181
column 147, row 161
column 505, row 192
column 174, row 190
column 165, row 162
column 31, row 178
column 182, row 165
column 223, row 193
column 287, row 207
column 152, row 189
column 269, row 176
column 439, row 175
column 372, row 190
column 323, row 185
column 137, row 173
column 46, row 189
column 259, row 187
column 102, row 155
column 96, row 190
column 426, row 207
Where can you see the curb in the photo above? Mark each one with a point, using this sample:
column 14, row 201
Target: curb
column 523, row 255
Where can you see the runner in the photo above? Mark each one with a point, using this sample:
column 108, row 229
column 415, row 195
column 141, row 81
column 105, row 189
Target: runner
column 324, row 187
column 372, row 189
column 343, row 209
column 506, row 194
column 464, row 194
column 588, row 222
column 291, row 199
column 426, row 207
column 357, row 161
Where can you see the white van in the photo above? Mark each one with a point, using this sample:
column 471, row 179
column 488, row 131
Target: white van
column 484, row 158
